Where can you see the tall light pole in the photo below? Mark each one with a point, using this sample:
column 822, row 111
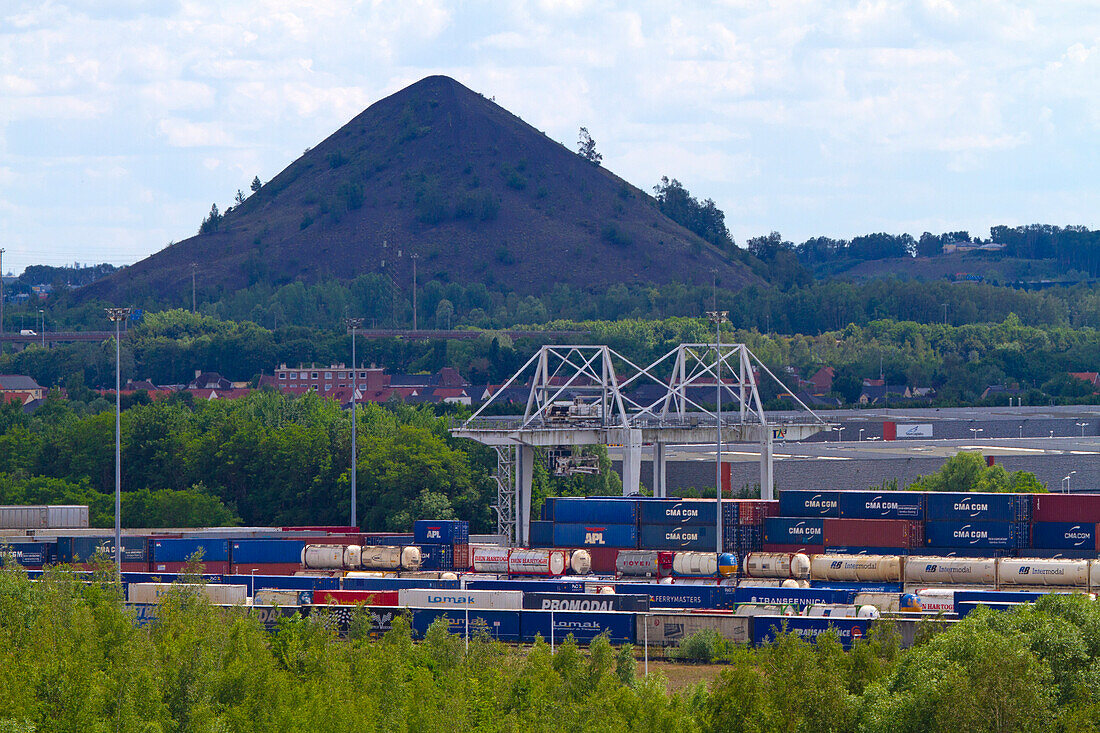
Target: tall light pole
column 118, row 315
column 193, row 265
column 718, row 318
column 1, row 290
column 42, row 330
column 1082, row 425
column 839, row 431
column 353, row 324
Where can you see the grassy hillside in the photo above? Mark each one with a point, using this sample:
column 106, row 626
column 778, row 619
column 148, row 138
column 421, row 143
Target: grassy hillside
column 438, row 172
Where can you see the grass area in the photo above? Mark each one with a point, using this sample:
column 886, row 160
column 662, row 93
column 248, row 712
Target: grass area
column 681, row 675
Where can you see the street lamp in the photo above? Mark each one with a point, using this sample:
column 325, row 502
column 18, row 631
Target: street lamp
column 861, row 434
column 718, row 318
column 118, row 315
column 1021, row 431
column 1082, row 426
column 974, row 432
column 353, row 324
column 839, row 431
column 1065, row 482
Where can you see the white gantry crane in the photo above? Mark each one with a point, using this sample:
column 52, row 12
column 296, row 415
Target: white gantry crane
column 584, row 395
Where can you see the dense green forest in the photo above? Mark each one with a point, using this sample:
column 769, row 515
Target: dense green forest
column 71, row 658
column 268, row 459
column 960, row 362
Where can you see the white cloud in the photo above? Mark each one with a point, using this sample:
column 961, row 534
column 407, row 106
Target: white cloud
column 806, row 116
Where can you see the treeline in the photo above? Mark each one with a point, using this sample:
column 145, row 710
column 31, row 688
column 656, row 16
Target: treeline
column 267, row 459
column 960, row 362
column 72, row 659
column 1074, row 247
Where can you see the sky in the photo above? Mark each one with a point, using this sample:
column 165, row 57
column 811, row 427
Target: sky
column 121, row 121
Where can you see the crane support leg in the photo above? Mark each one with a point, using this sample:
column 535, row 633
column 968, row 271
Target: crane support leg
column 524, row 473
column 632, row 460
column 767, row 477
column 660, row 477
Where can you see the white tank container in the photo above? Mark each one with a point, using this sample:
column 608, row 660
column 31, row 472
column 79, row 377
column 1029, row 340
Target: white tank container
column 1094, row 574
column 1017, row 571
column 777, row 565
column 489, row 558
column 485, row 600
column 857, row 568
column 695, row 563
column 606, row 590
column 323, row 557
column 410, row 558
column 537, row 562
column 580, row 562
column 225, row 595
column 371, row 574
column 380, row 557
column 637, row 563
column 353, row 557
column 953, row 570
column 882, row 601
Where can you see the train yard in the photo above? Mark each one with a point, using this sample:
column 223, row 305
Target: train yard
column 636, row 570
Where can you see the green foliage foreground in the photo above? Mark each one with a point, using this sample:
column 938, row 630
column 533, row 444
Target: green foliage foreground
column 71, row 659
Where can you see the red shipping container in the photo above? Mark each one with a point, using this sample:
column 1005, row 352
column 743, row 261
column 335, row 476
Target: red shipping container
column 462, row 557
column 208, row 568
column 664, row 562
column 1065, row 508
column 813, row 550
column 323, row 528
column 754, row 511
column 127, row 567
column 603, row 559
column 353, row 597
column 873, row 533
column 266, row 568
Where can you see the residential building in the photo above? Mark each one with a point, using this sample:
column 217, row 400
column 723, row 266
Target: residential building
column 20, row 387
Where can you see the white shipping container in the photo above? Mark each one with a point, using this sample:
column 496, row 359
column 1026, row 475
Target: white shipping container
column 765, row 609
column 323, row 557
column 842, row 610
column 225, row 595
column 777, row 565
column 1042, row 572
column 489, row 558
column 960, row 570
column 537, row 562
column 24, row 517
column 485, row 600
column 669, row 629
column 67, row 516
column 637, row 563
column 857, row 568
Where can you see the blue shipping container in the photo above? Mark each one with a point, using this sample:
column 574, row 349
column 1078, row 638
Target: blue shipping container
column 677, row 512
column 499, row 625
column 1056, row 553
column 303, row 583
column 678, row 537
column 1063, row 536
column 973, row 534
column 765, row 628
column 398, row 584
column 793, row 531
column 977, row 507
column 598, row 511
column 731, row 512
column 395, row 540
column 257, row 552
column 858, row 587
column 802, row 503
column 882, row 504
column 441, row 532
column 595, row 534
column 969, row 551
column 81, row 549
column 527, row 586
column 181, row 550
column 437, row 557
column 542, row 534
column 800, row 597
column 673, row 596
column 584, row 626
column 26, row 553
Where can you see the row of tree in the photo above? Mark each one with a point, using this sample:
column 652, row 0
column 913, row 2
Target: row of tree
column 72, row 658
